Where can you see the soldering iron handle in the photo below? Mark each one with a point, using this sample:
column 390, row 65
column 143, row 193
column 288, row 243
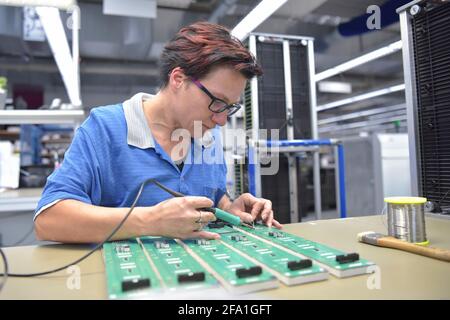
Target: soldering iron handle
column 226, row 216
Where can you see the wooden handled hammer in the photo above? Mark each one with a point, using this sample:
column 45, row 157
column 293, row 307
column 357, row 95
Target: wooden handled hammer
column 378, row 239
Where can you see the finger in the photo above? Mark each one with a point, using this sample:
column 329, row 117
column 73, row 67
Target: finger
column 246, row 217
column 267, row 211
column 249, row 198
column 267, row 217
column 271, row 219
column 204, row 225
column 276, row 224
column 199, row 202
column 257, row 207
column 204, row 235
column 268, row 205
column 208, row 216
column 201, row 219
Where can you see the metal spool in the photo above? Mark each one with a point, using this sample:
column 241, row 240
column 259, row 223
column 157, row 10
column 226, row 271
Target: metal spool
column 406, row 219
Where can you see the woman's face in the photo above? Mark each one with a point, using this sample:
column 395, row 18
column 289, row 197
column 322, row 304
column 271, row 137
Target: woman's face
column 223, row 83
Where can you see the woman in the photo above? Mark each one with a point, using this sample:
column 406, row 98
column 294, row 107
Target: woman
column 166, row 137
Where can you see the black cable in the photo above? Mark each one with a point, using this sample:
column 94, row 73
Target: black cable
column 6, row 272
column 172, row 192
column 98, row 246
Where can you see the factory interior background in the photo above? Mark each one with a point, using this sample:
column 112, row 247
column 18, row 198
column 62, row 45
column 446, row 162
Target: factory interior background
column 119, row 57
column 358, row 93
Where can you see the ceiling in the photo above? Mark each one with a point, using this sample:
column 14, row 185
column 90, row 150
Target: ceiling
column 123, row 51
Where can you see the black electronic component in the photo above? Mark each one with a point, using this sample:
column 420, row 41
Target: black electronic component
column 203, row 242
column 238, row 238
column 248, row 272
column 191, row 277
column 162, row 245
column 301, row 264
column 134, row 284
column 347, row 258
column 276, row 234
column 123, row 248
column 216, row 225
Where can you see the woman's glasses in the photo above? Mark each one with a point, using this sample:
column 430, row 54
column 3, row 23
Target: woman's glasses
column 217, row 105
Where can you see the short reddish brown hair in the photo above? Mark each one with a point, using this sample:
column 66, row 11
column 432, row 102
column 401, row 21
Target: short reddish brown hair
column 200, row 47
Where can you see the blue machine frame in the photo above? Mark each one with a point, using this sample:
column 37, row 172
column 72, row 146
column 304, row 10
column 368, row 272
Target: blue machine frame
column 293, row 146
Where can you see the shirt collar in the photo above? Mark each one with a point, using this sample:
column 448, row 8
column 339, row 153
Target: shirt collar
column 138, row 131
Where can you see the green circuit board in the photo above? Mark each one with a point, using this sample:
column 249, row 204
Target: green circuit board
column 176, row 267
column 235, row 272
column 128, row 272
column 244, row 260
column 287, row 267
column 338, row 263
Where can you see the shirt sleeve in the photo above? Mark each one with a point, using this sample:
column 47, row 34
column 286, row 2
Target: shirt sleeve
column 78, row 177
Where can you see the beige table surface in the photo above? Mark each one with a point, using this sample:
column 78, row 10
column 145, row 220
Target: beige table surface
column 402, row 275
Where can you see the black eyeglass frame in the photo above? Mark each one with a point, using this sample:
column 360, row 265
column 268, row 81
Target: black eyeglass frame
column 231, row 108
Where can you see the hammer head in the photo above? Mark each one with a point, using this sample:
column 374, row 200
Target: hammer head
column 370, row 237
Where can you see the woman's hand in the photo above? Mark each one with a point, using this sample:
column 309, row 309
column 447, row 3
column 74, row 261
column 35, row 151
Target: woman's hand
column 250, row 208
column 179, row 218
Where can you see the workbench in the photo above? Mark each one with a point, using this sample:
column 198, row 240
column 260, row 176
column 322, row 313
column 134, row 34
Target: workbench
column 402, row 275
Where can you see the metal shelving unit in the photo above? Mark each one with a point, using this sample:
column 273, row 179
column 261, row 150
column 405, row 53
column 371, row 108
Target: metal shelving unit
column 26, row 199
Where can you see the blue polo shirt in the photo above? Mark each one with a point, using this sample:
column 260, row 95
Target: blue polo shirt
column 113, row 152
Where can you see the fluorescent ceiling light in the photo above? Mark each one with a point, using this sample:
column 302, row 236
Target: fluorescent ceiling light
column 181, row 4
column 130, row 8
column 56, row 37
column 360, row 114
column 362, row 124
column 259, row 14
column 361, row 97
column 60, row 4
column 393, row 47
column 335, row 86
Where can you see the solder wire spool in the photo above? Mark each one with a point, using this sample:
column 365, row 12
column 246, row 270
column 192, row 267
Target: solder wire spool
column 406, row 219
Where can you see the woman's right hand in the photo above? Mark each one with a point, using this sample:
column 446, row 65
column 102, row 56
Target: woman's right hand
column 178, row 218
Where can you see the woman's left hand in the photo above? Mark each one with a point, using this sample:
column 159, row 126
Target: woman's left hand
column 250, row 208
